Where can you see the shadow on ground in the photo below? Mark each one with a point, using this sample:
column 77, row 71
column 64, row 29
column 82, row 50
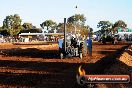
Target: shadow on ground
column 54, row 74
column 30, row 52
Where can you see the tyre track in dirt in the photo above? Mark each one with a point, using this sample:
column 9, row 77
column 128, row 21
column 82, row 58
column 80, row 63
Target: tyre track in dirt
column 42, row 72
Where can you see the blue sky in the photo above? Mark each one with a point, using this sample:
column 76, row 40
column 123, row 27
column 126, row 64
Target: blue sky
column 37, row 11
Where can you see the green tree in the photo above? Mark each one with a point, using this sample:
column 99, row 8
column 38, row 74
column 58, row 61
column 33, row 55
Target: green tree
column 27, row 25
column 84, row 30
column 70, row 28
column 118, row 24
column 60, row 27
column 3, row 32
column 105, row 26
column 33, row 30
column 77, row 22
column 12, row 24
column 77, row 19
column 49, row 24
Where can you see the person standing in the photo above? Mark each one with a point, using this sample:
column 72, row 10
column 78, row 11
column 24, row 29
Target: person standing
column 60, row 41
column 89, row 46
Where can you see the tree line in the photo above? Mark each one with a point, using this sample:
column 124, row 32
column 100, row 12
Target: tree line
column 107, row 26
column 12, row 25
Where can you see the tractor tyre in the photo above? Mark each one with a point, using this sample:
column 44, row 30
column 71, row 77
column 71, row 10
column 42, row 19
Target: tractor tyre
column 61, row 55
column 81, row 55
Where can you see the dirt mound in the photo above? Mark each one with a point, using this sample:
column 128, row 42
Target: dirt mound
column 123, row 66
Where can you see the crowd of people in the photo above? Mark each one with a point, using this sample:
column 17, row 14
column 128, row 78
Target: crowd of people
column 126, row 37
column 10, row 39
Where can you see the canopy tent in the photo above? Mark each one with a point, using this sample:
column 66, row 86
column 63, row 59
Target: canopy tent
column 124, row 30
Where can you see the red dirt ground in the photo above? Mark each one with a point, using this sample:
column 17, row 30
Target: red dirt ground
column 39, row 66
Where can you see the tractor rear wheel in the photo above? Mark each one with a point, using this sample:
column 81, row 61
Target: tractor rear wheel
column 81, row 55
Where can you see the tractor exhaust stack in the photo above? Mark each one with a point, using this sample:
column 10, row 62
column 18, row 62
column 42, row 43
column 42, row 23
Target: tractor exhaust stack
column 65, row 34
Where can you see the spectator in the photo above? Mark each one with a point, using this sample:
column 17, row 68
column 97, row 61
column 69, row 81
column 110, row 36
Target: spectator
column 60, row 44
column 89, row 46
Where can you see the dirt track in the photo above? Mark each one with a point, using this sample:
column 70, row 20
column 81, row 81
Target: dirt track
column 40, row 66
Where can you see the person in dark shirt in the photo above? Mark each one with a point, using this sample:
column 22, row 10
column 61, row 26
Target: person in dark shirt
column 89, row 46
